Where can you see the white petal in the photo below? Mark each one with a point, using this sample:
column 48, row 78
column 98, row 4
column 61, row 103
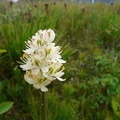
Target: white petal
column 29, row 80
column 26, row 66
column 29, row 50
column 48, row 76
column 61, row 61
column 46, row 82
column 37, row 86
column 46, row 37
column 59, row 74
column 35, row 71
column 52, row 35
column 44, row 69
column 60, row 79
column 43, row 88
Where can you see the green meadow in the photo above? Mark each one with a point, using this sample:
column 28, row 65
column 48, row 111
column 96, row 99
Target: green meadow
column 89, row 36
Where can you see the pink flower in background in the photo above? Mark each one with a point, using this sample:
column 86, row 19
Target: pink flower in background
column 46, row 9
column 65, row 6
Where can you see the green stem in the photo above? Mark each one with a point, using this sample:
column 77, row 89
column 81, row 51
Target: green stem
column 43, row 115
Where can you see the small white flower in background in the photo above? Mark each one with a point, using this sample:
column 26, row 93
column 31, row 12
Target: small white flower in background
column 42, row 60
column 14, row 1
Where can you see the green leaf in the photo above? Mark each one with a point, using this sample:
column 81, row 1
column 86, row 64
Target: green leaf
column 5, row 106
column 116, row 107
column 2, row 51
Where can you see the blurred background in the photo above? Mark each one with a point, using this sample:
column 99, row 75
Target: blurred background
column 89, row 35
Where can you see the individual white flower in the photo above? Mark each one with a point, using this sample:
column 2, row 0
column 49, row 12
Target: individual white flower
column 42, row 60
column 55, row 71
column 38, row 81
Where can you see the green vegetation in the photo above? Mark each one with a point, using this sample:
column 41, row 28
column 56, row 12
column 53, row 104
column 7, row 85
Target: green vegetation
column 90, row 39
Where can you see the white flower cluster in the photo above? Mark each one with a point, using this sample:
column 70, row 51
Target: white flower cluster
column 42, row 60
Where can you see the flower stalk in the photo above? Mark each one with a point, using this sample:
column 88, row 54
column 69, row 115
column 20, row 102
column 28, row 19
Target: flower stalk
column 42, row 63
column 43, row 107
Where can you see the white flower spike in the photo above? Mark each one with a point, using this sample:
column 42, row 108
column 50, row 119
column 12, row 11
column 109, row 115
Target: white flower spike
column 42, row 60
